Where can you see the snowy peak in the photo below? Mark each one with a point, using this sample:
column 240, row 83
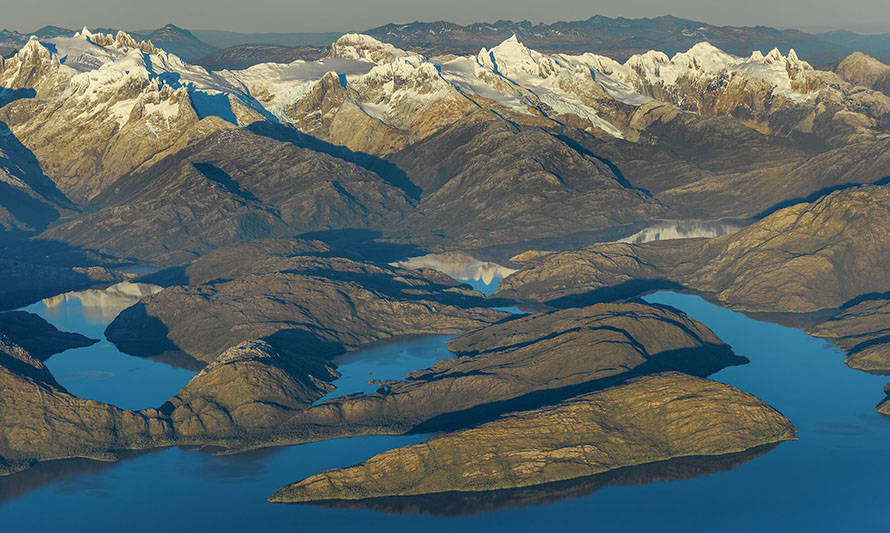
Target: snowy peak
column 32, row 67
column 704, row 57
column 33, row 50
column 122, row 41
column 366, row 48
column 512, row 58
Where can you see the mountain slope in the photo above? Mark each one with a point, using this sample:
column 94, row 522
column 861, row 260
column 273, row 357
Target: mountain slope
column 230, row 185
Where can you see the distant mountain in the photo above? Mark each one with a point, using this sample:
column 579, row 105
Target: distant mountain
column 171, row 38
column 866, row 71
column 51, row 32
column 877, row 46
column 10, row 42
column 618, row 38
column 178, row 41
column 226, row 39
column 246, row 55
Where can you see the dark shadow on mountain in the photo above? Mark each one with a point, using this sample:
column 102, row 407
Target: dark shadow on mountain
column 389, row 172
column 299, row 342
column 701, row 362
column 472, row 503
column 871, row 296
column 363, row 244
column 26, row 208
column 167, row 277
column 32, row 269
column 20, row 162
column 135, row 332
column 38, row 251
column 628, row 289
column 21, row 368
column 217, row 105
column 619, row 176
column 816, row 195
column 304, row 352
column 40, row 338
column 218, row 175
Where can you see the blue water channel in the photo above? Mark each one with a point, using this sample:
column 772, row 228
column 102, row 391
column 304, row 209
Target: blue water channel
column 834, row 478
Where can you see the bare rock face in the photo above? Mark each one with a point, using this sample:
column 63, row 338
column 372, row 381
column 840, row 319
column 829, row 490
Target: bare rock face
column 650, row 419
column 258, row 256
column 118, row 111
column 804, row 258
column 521, row 364
column 249, row 390
column 241, row 397
column 316, row 306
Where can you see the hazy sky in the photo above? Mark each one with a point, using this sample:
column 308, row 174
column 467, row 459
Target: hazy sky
column 339, row 15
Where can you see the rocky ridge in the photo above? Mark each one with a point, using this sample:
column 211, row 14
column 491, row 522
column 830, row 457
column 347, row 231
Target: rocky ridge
column 643, row 421
column 801, row 259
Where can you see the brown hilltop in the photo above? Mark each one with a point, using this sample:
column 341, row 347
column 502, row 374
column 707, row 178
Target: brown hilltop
column 650, row 419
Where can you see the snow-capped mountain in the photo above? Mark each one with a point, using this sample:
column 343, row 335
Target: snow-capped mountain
column 128, row 97
column 393, row 91
column 138, row 101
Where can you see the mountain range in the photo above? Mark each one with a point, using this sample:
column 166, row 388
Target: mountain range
column 294, row 201
column 108, row 136
column 618, row 38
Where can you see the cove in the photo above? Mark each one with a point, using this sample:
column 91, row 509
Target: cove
column 101, row 372
column 833, row 478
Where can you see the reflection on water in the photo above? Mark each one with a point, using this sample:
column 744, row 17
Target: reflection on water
column 102, row 305
column 833, row 478
column 470, row 503
column 664, row 231
column 101, row 372
column 194, row 490
column 461, row 267
column 393, row 359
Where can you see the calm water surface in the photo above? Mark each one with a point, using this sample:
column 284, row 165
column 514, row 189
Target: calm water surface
column 101, row 372
column 834, row 478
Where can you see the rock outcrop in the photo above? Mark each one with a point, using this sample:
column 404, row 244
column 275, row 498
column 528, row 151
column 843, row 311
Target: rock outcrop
column 472, row 503
column 227, row 187
column 862, row 330
column 804, row 258
column 522, row 364
column 256, row 395
column 245, row 393
column 315, row 306
column 650, row 419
